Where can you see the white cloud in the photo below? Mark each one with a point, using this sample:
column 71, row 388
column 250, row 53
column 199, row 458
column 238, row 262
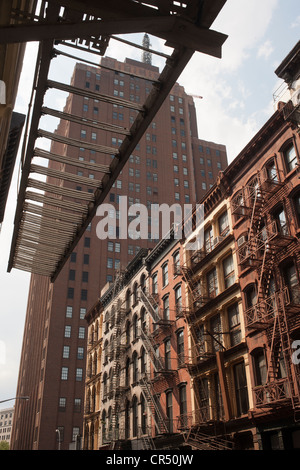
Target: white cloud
column 265, row 50
column 246, row 24
column 296, row 23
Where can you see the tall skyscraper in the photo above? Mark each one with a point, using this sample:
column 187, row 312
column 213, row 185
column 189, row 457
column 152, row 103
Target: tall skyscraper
column 169, row 165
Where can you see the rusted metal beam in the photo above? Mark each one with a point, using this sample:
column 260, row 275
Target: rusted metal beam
column 174, row 30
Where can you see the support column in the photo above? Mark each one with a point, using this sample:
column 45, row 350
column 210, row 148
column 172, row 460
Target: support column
column 223, row 385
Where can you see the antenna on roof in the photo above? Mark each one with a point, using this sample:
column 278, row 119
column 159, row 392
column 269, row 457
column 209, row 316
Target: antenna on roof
column 146, row 56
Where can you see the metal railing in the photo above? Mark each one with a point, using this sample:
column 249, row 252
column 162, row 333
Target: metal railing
column 272, row 393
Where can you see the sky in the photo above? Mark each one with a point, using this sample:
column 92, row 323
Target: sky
column 237, row 93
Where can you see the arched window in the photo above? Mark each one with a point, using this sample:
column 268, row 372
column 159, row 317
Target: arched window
column 143, row 320
column 104, row 437
column 290, row 157
column 180, row 347
column 135, row 368
column 178, row 298
column 296, row 205
column 135, row 326
column 127, row 300
column 250, row 296
column 176, row 263
column 127, row 419
column 127, row 373
column 154, row 284
column 109, row 419
column 280, row 219
column 106, row 322
column 104, row 385
column 259, row 366
column 127, row 333
column 165, row 276
column 134, row 416
column 143, row 361
column 271, row 171
column 143, row 282
column 105, row 350
column 135, row 293
column 143, row 415
column 166, row 307
column 290, row 277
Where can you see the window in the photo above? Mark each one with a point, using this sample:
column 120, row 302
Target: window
column 178, row 299
column 271, row 171
column 180, row 348
column 79, row 374
column 80, row 353
column 290, row 158
column 228, row 270
column 296, row 203
column 86, row 259
column 62, row 403
column 73, row 257
column 69, row 312
column 135, row 368
column 208, row 239
column 143, row 415
column 183, row 406
column 223, row 224
column 176, row 263
column 216, row 331
column 135, row 327
column 134, row 416
column 75, row 433
column 64, row 373
column 83, row 294
column 154, row 284
column 85, row 276
column 70, row 292
column 291, row 281
column 169, row 410
column 241, row 391
column 165, row 274
column 68, row 329
column 260, row 367
column 81, row 332
column 143, row 361
column 168, row 354
column 212, row 283
column 234, row 324
column 166, row 308
column 279, row 216
column 66, row 352
column 87, row 242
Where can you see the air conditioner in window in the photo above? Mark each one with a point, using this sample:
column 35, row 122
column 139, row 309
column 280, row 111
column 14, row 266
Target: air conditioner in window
column 241, row 241
column 217, row 240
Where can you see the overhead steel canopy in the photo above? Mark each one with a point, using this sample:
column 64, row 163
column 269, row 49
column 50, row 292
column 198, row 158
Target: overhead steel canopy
column 49, row 222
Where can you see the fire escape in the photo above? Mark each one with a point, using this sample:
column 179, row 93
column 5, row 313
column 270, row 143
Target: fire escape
column 205, row 428
column 161, row 368
column 274, row 309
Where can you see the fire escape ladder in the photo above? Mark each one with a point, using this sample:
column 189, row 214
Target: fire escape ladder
column 148, row 443
column 150, row 304
column 287, row 353
column 204, row 441
column 117, row 352
column 155, row 359
column 157, row 413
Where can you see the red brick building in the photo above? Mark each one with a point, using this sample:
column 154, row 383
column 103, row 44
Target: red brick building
column 162, row 169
